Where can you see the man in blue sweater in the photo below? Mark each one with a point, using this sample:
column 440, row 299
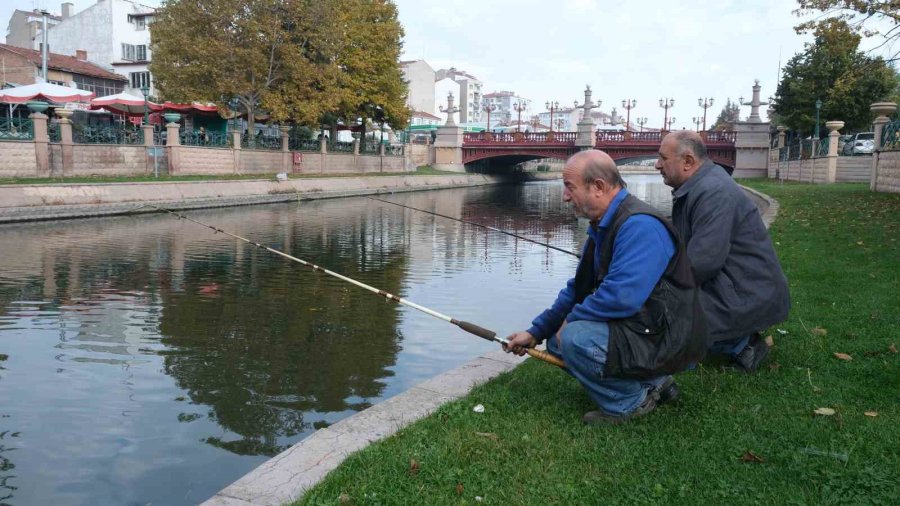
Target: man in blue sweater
column 631, row 316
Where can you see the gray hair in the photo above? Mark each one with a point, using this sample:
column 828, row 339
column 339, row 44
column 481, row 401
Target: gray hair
column 690, row 142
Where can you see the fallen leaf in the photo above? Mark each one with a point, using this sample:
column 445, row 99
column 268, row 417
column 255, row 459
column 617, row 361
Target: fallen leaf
column 459, row 489
column 842, row 356
column 769, row 341
column 489, row 435
column 872, row 414
column 818, row 331
column 413, row 466
column 774, row 367
column 892, row 348
column 749, row 456
column 824, row 411
column 344, row 499
column 479, row 408
column 859, row 242
column 782, row 332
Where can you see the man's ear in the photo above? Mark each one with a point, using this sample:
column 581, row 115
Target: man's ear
column 600, row 185
column 690, row 161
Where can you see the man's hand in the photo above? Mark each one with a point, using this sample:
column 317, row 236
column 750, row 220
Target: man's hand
column 518, row 341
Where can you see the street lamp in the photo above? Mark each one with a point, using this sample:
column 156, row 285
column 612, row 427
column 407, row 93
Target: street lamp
column 628, row 105
column 666, row 103
column 146, row 91
column 488, row 108
column 559, row 124
column 818, row 106
column 705, row 103
column 669, row 123
column 696, row 122
column 519, row 106
column 552, row 106
column 642, row 122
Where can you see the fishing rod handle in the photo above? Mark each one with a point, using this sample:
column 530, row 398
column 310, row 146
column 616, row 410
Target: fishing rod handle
column 471, row 328
column 546, row 357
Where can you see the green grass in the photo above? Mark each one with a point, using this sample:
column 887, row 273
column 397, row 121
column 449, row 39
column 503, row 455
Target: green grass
column 839, row 247
column 424, row 170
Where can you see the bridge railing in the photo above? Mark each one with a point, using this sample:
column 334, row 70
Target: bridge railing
column 519, row 138
column 605, row 137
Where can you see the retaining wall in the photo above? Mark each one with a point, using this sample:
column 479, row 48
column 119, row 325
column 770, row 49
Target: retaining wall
column 887, row 172
column 850, row 169
column 108, row 160
column 198, row 160
column 17, row 159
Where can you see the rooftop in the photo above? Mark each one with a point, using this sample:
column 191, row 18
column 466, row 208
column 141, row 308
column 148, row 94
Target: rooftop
column 64, row 63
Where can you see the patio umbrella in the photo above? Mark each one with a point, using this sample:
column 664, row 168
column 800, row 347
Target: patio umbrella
column 44, row 91
column 122, row 103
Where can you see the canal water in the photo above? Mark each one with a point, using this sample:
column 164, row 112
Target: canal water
column 146, row 360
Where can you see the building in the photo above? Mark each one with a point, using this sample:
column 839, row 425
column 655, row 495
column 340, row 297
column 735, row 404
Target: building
column 419, row 77
column 469, row 96
column 115, row 34
column 23, row 66
column 24, row 26
column 565, row 119
column 505, row 103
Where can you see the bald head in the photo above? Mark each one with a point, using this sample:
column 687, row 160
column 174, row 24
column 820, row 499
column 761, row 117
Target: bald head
column 681, row 154
column 594, row 164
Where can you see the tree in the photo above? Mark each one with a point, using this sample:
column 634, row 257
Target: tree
column 861, row 16
column 286, row 57
column 833, row 70
column 730, row 114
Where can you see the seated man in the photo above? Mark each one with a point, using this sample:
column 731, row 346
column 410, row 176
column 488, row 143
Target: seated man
column 631, row 316
column 742, row 288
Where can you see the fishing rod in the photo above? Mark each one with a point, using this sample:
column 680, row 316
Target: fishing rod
column 478, row 225
column 467, row 326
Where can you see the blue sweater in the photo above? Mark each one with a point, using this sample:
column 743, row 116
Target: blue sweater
column 641, row 254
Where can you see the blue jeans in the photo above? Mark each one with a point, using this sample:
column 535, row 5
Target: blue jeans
column 729, row 347
column 585, row 345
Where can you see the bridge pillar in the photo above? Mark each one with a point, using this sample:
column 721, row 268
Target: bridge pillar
column 584, row 138
column 753, row 141
column 448, row 149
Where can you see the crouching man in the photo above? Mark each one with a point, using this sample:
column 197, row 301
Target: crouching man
column 630, row 318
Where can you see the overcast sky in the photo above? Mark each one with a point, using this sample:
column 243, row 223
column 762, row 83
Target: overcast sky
column 548, row 50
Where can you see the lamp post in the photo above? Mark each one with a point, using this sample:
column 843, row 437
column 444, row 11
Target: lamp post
column 628, row 105
column 666, row 103
column 552, row 107
column 696, row 122
column 519, row 106
column 488, row 108
column 535, row 121
column 642, row 122
column 146, row 91
column 669, row 123
column 559, row 124
column 818, row 106
column 705, row 103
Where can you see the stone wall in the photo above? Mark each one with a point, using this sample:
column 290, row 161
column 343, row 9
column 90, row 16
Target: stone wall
column 257, row 161
column 420, row 154
column 17, row 159
column 887, row 172
column 108, row 160
column 850, row 169
column 348, row 163
column 197, row 160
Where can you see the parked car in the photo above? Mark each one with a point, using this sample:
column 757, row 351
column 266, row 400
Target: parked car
column 845, row 142
column 862, row 143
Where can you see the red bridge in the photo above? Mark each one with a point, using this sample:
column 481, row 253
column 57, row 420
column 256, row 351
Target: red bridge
column 513, row 148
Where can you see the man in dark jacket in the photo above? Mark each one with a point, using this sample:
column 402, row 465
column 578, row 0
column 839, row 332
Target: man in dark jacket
column 743, row 289
column 631, row 316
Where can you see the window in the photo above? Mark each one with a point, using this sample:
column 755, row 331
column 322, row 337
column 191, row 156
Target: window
column 101, row 87
column 130, row 52
column 139, row 80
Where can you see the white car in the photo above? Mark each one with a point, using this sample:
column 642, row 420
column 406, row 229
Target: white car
column 863, row 143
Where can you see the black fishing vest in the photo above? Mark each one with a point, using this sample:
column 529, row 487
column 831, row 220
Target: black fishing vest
column 668, row 333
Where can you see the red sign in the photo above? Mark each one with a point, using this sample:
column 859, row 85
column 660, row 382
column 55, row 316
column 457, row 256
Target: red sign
column 298, row 158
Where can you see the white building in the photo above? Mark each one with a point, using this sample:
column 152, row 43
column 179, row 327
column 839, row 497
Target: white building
column 419, row 77
column 24, row 26
column 505, row 103
column 115, row 34
column 468, row 94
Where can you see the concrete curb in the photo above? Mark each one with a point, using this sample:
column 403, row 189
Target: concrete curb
column 768, row 207
column 285, row 477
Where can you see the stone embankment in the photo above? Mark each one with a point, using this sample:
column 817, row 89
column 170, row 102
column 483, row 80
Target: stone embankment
column 62, row 201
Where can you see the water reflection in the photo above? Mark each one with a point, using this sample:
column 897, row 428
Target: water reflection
column 145, row 359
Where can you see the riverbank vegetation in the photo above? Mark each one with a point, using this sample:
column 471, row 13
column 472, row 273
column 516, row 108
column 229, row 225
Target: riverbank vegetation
column 816, row 425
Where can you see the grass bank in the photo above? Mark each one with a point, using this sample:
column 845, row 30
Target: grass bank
column 734, row 439
column 421, row 171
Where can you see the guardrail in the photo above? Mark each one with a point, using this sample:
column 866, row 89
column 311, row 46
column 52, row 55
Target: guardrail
column 890, row 136
column 205, row 139
column 107, row 135
column 519, row 137
column 16, row 129
column 260, row 142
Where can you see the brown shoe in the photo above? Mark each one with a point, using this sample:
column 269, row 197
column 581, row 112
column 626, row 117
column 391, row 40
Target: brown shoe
column 599, row 417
